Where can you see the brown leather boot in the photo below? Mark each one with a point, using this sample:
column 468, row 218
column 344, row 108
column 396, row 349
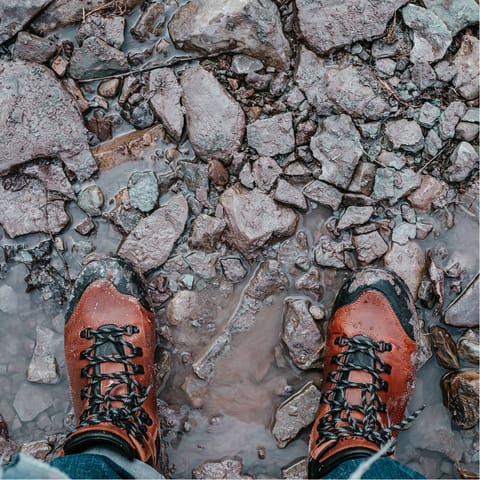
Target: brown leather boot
column 109, row 352
column 369, row 370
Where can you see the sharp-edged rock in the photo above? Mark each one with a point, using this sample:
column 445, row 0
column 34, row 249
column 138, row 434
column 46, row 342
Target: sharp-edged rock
column 429, row 190
column 466, row 65
column 450, row 118
column 288, row 194
column 143, row 190
column 429, row 114
column 43, row 367
column 206, row 231
column 295, row 413
column 251, row 27
column 273, row 135
column 165, row 94
column 463, row 160
column 324, row 194
column 110, row 29
column 151, row 241
column 354, row 216
column 226, row 467
column 253, row 218
column 369, row 247
column 393, row 185
column 215, row 121
column 456, row 15
column 325, row 25
column 463, row 311
column 405, row 134
column 31, row 48
column 39, row 120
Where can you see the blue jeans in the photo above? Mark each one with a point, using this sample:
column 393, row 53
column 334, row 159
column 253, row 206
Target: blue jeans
column 89, row 465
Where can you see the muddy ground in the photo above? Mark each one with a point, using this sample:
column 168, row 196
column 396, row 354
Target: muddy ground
column 246, row 156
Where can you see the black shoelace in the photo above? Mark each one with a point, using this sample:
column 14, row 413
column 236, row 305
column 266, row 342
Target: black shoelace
column 110, row 347
column 361, row 354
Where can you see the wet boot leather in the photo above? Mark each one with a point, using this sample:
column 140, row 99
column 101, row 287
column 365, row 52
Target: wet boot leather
column 369, row 371
column 109, row 351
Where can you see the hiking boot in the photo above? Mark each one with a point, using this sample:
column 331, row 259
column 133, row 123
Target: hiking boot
column 109, row 352
column 369, row 370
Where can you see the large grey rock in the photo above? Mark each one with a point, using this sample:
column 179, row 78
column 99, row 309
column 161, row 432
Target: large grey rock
column 30, row 400
column 28, row 209
column 151, row 241
column 110, row 29
column 288, row 194
column 352, row 89
column 31, row 48
column 431, row 37
column 463, row 311
column 405, row 134
column 252, row 27
column 43, row 367
column 297, row 412
column 301, row 334
column 273, row 135
column 96, row 58
column 8, row 300
column 325, row 25
column 336, row 145
column 164, row 97
column 215, row 121
column 456, row 14
column 393, row 185
column 324, row 194
column 14, row 15
column 450, row 118
column 253, row 218
column 39, row 119
column 463, row 160
column 466, row 66
column 206, row 231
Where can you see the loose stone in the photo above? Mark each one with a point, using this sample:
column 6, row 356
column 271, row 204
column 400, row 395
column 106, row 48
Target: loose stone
column 429, row 114
column 354, row 216
column 466, row 65
column 233, row 269
column 469, row 346
column 363, row 178
column 444, row 348
column 463, row 311
column 265, row 172
column 273, row 135
column 405, row 134
column 369, row 247
column 324, row 194
column 90, row 200
column 143, row 190
column 330, row 253
column 288, row 194
column 206, row 232
column 43, row 367
column 450, row 118
column 31, row 48
column 430, row 190
column 109, row 88
column 243, row 64
column 463, row 160
column 109, row 29
column 227, row 467
column 297, row 470
column 153, row 15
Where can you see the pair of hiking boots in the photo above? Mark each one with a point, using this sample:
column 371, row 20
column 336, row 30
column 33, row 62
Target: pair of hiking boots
column 369, row 367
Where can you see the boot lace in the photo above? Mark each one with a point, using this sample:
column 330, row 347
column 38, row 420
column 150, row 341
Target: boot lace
column 361, row 354
column 110, row 347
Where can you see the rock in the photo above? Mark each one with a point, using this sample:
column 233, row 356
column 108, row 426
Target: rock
column 469, row 346
column 288, row 194
column 369, row 247
column 467, row 131
column 39, row 449
column 43, row 367
column 456, row 15
column 300, row 334
column 423, row 75
column 252, row 27
column 272, row 135
column 404, row 232
column 265, row 172
column 363, row 178
column 463, row 160
column 297, row 412
column 61, row 13
column 164, row 94
column 324, row 194
column 110, row 29
column 31, row 48
column 246, row 177
column 233, row 269
column 206, row 232
column 325, row 25
column 393, row 185
column 143, row 190
column 423, row 230
column 351, row 88
column 408, row 262
column 109, row 88
column 310, row 281
column 461, row 394
column 354, row 216
column 450, row 118
column 27, row 209
column 151, row 241
column 128, row 147
column 431, row 37
column 243, row 64
column 226, row 467
column 463, row 311
column 96, row 58
column 385, row 67
column 253, row 218
column 215, row 121
column 90, row 200
column 330, row 253
column 394, row 160
column 86, row 227
column 196, row 391
column 13, row 16
column 336, row 145
column 39, row 120
column 74, row 90
column 183, row 307
column 472, row 115
column 27, row 410
column 433, row 143
column 203, row 264
column 8, row 300
column 154, row 14
column 429, row 114
column 430, row 190
column 297, row 470
column 51, row 174
column 405, row 134
column 267, row 280
column 444, row 348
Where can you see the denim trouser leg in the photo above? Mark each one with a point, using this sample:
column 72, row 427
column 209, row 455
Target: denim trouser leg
column 383, row 468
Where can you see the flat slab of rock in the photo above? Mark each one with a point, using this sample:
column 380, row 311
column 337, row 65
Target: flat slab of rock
column 14, row 15
column 43, row 367
column 273, row 135
column 27, row 409
column 336, row 146
column 39, row 119
column 463, row 311
column 151, row 241
column 251, row 27
column 215, row 121
column 456, row 15
column 325, row 25
column 295, row 413
column 253, row 218
column 165, row 94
